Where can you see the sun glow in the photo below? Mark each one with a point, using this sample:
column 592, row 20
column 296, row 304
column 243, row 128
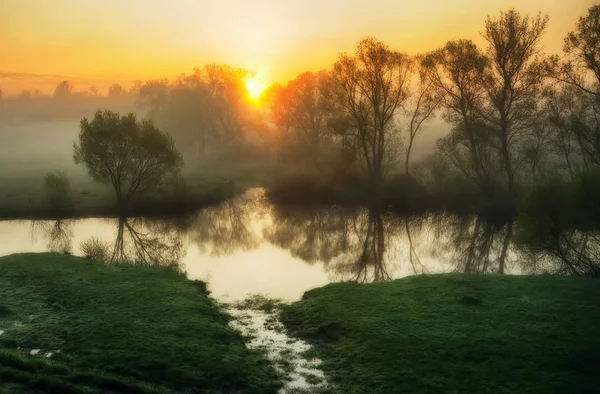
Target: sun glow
column 255, row 87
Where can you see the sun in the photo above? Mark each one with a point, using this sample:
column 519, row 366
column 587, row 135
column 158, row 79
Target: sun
column 255, row 87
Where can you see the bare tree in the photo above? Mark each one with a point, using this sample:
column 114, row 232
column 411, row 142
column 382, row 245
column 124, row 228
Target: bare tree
column 580, row 65
column 301, row 110
column 573, row 118
column 370, row 86
column 513, row 82
column 423, row 101
column 457, row 71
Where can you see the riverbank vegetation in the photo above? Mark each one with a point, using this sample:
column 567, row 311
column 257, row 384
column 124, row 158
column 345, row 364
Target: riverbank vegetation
column 508, row 116
column 462, row 333
column 73, row 325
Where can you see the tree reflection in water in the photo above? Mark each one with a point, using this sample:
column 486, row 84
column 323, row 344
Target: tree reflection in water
column 364, row 245
column 228, row 228
column 138, row 240
column 148, row 242
column 475, row 245
column 367, row 245
column 58, row 234
column 351, row 243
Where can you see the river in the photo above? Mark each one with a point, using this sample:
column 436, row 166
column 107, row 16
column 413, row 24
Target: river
column 248, row 246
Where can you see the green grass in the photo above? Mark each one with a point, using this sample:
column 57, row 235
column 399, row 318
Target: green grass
column 22, row 194
column 119, row 329
column 22, row 198
column 455, row 334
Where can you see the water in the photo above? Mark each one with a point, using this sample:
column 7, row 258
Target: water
column 248, row 246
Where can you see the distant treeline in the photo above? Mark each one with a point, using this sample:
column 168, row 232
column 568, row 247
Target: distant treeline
column 516, row 115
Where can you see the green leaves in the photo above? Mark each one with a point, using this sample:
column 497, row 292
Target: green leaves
column 131, row 155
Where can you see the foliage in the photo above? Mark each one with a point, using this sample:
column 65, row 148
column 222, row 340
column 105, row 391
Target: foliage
column 512, row 83
column 63, row 90
column 94, row 248
column 560, row 218
column 133, row 156
column 370, row 86
column 454, row 333
column 119, row 329
column 57, row 189
column 580, row 65
column 207, row 111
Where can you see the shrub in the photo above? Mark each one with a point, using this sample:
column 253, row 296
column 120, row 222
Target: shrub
column 94, row 248
column 57, row 189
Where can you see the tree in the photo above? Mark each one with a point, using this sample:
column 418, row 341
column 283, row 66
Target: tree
column 370, row 86
column 63, row 89
column 512, row 82
column 57, row 187
column 424, row 100
column 457, row 71
column 153, row 95
column 205, row 109
column 301, row 112
column 581, row 61
column 116, row 90
column 132, row 156
column 571, row 115
column 93, row 90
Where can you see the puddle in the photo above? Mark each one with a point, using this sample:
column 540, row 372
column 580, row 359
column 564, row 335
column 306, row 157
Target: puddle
column 290, row 356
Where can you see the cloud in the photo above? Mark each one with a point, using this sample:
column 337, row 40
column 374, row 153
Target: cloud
column 22, row 75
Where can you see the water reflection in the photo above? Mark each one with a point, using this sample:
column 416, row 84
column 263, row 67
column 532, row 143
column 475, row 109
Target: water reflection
column 57, row 234
column 137, row 240
column 247, row 245
column 228, row 228
column 148, row 242
column 476, row 245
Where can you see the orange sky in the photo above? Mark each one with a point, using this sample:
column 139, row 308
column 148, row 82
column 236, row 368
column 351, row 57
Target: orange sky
column 96, row 41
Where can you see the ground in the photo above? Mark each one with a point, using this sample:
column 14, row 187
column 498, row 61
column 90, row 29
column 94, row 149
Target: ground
column 68, row 324
column 22, row 194
column 455, row 334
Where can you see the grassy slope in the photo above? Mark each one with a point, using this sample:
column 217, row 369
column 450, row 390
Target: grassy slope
column 119, row 329
column 456, row 333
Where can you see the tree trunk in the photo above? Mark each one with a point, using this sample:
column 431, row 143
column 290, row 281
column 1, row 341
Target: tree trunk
column 509, row 230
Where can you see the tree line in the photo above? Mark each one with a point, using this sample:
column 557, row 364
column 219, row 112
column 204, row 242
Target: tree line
column 516, row 114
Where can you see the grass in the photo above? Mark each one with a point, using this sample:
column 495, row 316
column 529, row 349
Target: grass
column 22, row 194
column 119, row 329
column 455, row 333
column 23, row 197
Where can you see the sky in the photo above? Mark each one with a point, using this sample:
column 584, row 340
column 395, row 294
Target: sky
column 96, row 41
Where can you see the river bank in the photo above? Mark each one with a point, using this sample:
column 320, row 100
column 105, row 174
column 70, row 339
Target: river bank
column 455, row 333
column 69, row 324
column 73, row 325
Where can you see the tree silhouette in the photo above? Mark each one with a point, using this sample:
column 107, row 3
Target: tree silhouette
column 58, row 234
column 63, row 90
column 370, row 86
column 457, row 70
column 133, row 156
column 424, row 99
column 147, row 242
column 512, row 82
column 227, row 228
column 580, row 65
column 116, row 90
